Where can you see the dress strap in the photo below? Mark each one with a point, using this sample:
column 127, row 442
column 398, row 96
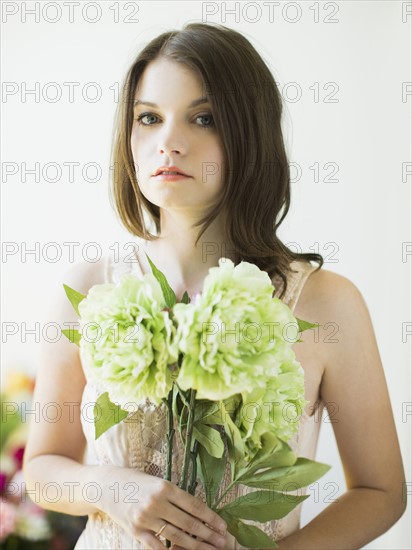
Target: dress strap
column 116, row 268
column 296, row 282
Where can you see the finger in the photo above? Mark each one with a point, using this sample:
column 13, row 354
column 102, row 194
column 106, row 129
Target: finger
column 182, row 539
column 199, row 509
column 194, row 526
column 151, row 542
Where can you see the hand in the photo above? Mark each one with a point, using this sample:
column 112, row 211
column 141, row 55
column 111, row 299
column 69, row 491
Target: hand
column 158, row 502
column 230, row 544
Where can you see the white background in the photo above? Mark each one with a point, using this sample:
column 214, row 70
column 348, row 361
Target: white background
column 360, row 223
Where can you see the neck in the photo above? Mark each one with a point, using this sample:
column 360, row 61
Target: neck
column 184, row 263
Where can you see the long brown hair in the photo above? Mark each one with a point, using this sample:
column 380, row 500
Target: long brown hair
column 247, row 108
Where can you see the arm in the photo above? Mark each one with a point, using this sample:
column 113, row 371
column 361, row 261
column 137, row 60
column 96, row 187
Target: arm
column 54, row 451
column 365, row 431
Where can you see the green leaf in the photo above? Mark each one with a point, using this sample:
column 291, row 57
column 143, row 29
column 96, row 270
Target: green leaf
column 211, row 472
column 185, row 298
column 106, row 414
column 205, row 408
column 301, row 474
column 176, row 402
column 168, row 293
column 305, row 325
column 233, row 404
column 274, row 453
column 235, row 444
column 184, row 396
column 179, row 412
column 74, row 297
column 73, row 335
column 214, row 419
column 263, row 505
column 248, row 536
column 208, row 412
column 210, row 439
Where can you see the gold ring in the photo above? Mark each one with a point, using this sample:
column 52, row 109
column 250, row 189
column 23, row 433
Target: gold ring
column 157, row 535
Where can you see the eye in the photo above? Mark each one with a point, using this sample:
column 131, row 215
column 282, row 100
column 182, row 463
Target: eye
column 208, row 116
column 142, row 116
column 209, row 124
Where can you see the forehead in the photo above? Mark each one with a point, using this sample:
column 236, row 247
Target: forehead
column 165, row 80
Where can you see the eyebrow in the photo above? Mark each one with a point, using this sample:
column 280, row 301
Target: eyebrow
column 194, row 103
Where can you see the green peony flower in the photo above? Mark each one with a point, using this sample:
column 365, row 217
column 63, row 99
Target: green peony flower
column 276, row 408
column 235, row 335
column 127, row 341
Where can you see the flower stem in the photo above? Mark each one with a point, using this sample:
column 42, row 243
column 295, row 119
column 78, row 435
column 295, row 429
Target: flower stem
column 170, row 436
column 189, row 430
column 223, row 494
column 193, row 473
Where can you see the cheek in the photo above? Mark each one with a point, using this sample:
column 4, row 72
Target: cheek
column 133, row 144
column 219, row 162
column 136, row 155
column 139, row 153
column 136, row 141
column 216, row 151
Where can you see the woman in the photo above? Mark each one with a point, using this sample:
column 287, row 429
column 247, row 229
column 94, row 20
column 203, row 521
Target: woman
column 199, row 145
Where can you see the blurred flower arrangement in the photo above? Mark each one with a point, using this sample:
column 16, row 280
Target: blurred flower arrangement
column 23, row 524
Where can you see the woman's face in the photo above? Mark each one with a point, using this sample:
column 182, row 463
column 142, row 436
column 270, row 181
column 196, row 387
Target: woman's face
column 174, row 132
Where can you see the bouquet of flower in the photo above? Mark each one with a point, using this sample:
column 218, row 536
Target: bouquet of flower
column 224, row 367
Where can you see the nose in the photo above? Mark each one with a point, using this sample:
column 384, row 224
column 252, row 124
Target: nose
column 172, row 139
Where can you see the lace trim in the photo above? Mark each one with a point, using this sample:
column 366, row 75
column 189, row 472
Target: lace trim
column 304, row 270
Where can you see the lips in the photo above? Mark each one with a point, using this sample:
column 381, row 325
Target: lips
column 169, row 169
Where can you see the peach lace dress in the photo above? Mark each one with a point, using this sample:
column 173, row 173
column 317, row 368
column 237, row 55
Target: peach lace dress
column 140, row 442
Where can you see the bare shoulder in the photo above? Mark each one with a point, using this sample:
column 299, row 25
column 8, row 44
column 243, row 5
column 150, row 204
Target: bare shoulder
column 80, row 276
column 328, row 295
column 346, row 333
column 86, row 274
column 337, row 305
